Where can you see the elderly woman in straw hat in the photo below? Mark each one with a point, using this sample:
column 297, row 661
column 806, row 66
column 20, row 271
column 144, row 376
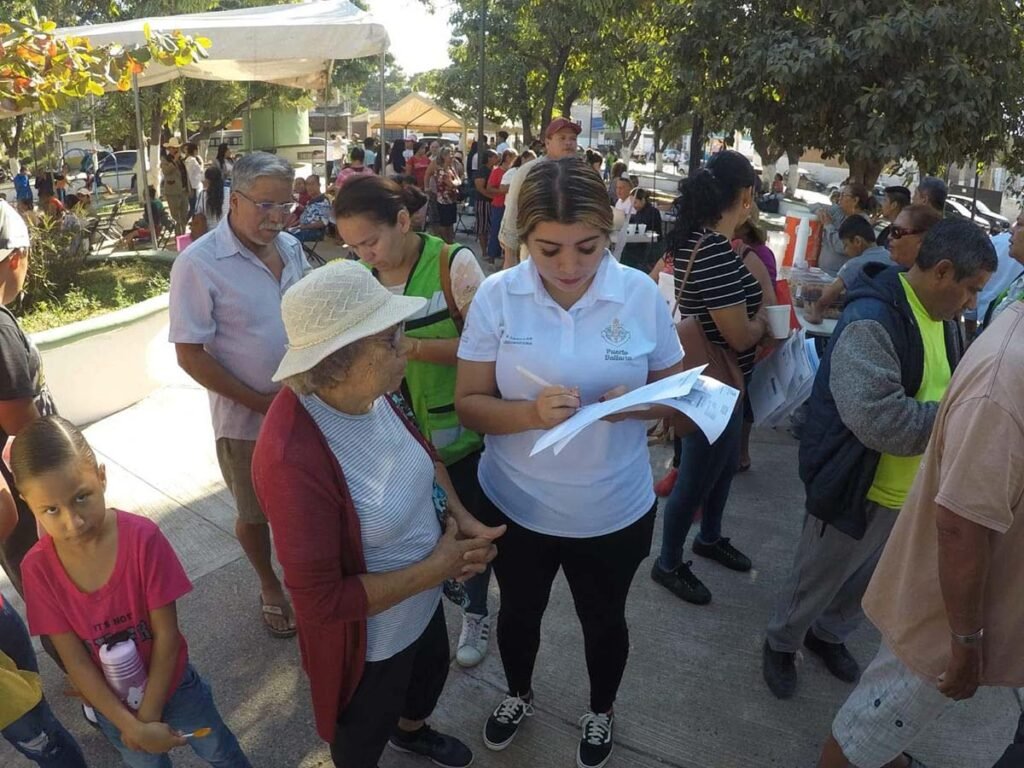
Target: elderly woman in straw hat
column 366, row 540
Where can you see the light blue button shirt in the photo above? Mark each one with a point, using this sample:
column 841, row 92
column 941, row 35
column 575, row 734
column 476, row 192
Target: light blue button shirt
column 1008, row 270
column 225, row 298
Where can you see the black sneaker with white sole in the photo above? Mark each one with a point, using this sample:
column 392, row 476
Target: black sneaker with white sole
column 503, row 724
column 439, row 748
column 596, row 743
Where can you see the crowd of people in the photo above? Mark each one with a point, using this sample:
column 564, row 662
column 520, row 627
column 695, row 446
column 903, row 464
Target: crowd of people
column 374, row 422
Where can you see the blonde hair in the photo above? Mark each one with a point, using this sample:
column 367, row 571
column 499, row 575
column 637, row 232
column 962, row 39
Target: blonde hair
column 567, row 191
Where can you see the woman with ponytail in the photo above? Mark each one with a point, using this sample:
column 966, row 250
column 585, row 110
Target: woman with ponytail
column 722, row 294
column 374, row 216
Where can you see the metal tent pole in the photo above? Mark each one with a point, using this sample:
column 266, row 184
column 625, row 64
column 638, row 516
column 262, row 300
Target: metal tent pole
column 142, row 184
column 184, row 124
column 483, row 58
column 380, row 122
column 95, row 148
column 327, row 99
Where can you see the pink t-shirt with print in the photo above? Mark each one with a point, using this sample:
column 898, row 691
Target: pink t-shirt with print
column 147, row 576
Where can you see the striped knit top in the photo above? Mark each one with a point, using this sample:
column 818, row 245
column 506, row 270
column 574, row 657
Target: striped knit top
column 391, row 479
column 718, row 280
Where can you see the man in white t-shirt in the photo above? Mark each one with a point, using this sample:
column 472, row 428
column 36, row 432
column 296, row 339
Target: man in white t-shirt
column 559, row 141
column 624, row 196
column 502, row 142
column 194, row 172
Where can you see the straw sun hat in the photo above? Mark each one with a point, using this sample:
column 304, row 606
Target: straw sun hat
column 332, row 307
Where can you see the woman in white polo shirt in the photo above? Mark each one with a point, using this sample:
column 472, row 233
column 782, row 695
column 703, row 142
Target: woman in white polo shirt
column 573, row 316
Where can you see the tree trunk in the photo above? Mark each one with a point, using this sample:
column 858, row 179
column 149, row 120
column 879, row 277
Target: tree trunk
column 658, row 160
column 12, row 143
column 554, row 73
column 866, row 171
column 793, row 155
column 527, row 118
column 568, row 99
column 696, row 144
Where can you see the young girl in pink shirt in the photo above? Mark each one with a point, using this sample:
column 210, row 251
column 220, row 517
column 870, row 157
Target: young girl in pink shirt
column 100, row 577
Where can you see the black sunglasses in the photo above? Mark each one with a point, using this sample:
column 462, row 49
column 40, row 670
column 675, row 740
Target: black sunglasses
column 897, row 232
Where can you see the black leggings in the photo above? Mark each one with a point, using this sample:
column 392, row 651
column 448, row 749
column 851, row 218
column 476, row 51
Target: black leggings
column 599, row 571
column 406, row 685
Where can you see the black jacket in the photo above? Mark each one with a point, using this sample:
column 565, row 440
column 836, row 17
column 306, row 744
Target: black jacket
column 836, row 465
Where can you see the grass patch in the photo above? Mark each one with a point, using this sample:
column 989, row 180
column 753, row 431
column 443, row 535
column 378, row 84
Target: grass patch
column 98, row 289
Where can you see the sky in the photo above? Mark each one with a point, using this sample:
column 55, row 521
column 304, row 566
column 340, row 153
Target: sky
column 419, row 39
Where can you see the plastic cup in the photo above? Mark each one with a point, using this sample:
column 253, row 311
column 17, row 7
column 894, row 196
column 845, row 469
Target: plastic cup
column 778, row 320
column 642, row 228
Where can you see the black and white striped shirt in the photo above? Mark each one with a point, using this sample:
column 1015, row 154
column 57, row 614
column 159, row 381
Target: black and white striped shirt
column 718, row 280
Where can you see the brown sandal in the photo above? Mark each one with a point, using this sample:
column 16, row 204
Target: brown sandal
column 275, row 610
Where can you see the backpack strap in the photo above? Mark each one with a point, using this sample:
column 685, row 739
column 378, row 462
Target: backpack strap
column 689, row 269
column 445, row 266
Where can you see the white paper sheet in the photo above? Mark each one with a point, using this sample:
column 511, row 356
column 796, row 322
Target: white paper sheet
column 783, row 381
column 709, row 404
column 666, row 389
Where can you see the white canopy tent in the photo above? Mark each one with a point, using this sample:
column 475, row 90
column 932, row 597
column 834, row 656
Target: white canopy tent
column 293, row 45
column 284, row 44
column 418, row 113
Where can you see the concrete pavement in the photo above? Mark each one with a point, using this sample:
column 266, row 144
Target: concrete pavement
column 692, row 696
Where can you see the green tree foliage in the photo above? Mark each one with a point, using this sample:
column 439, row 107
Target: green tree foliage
column 872, row 81
column 538, row 59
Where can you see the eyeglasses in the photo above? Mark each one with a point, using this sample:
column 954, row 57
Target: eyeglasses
column 268, row 208
column 392, row 339
column 897, row 232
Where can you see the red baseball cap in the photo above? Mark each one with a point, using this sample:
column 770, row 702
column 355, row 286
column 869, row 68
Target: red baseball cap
column 560, row 123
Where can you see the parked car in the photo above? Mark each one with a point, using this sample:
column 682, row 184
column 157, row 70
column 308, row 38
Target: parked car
column 996, row 222
column 955, row 209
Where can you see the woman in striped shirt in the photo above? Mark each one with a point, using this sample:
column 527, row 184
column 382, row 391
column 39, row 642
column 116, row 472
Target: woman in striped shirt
column 727, row 301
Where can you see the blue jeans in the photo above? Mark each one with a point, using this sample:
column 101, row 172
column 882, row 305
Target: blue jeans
column 463, row 474
column 705, row 476
column 37, row 734
column 190, row 708
column 493, row 244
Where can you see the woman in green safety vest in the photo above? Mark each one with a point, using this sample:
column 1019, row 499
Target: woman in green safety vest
column 373, row 217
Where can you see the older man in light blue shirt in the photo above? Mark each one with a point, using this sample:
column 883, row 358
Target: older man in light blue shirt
column 1009, row 269
column 225, row 313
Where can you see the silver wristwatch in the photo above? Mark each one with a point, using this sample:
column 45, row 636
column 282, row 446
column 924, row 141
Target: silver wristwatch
column 970, row 641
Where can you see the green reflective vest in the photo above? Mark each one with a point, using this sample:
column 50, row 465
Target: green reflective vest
column 429, row 387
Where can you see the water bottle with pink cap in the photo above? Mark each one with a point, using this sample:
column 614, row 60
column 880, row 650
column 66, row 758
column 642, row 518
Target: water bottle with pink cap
column 125, row 671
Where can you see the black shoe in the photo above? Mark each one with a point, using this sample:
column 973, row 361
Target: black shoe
column 440, row 749
column 682, row 583
column 724, row 552
column 838, row 660
column 779, row 670
column 596, row 744
column 503, row 724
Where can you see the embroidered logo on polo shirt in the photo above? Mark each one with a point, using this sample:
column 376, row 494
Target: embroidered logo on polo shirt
column 519, row 341
column 615, row 334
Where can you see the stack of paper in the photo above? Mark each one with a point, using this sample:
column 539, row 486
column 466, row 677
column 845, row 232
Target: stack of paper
column 782, row 382
column 708, row 402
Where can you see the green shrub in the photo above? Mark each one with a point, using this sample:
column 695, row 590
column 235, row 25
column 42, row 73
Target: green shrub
column 53, row 264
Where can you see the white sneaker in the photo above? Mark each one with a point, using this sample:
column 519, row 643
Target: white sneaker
column 476, row 630
column 90, row 715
